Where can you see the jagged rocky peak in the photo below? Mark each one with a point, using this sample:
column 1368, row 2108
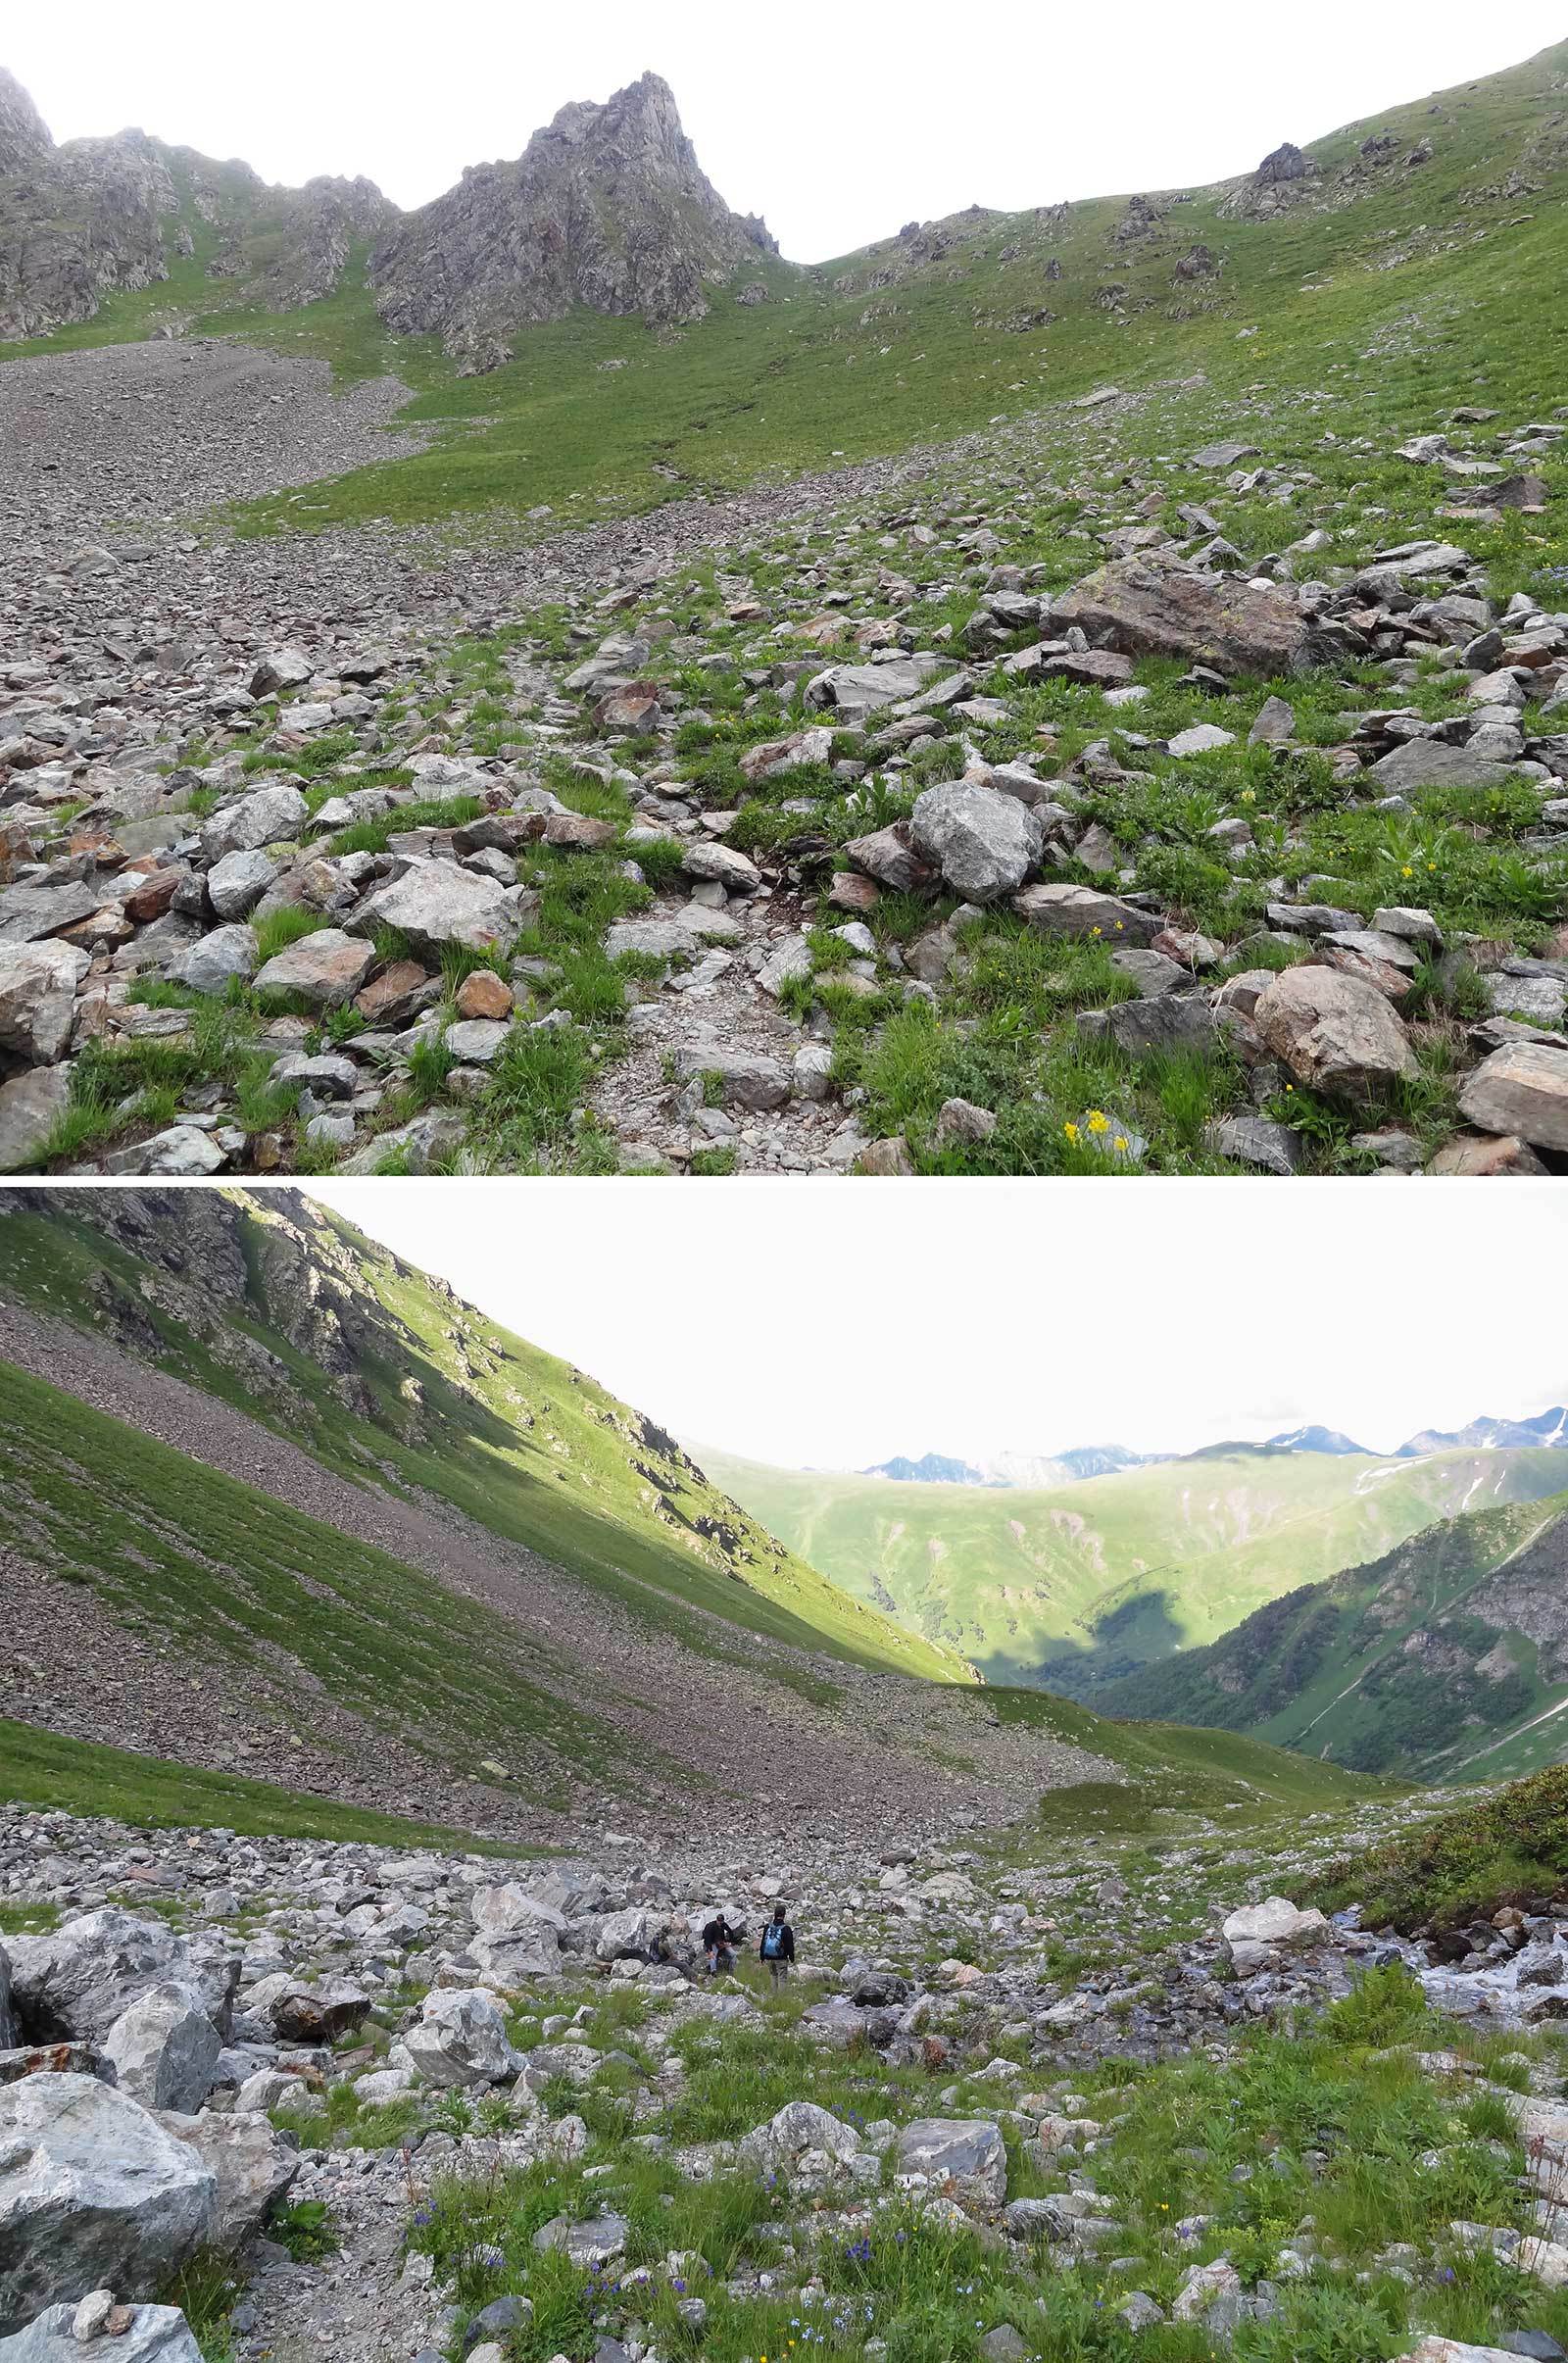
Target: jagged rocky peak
column 608, row 207
column 25, row 140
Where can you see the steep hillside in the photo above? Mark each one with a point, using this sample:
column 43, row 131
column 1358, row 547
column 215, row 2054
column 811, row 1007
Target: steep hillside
column 420, row 1553
column 1076, row 1587
column 1445, row 1657
column 131, row 219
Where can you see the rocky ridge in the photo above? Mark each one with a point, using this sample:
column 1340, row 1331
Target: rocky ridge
column 607, row 208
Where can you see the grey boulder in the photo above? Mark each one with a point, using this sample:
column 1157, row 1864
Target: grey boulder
column 165, row 2049
column 461, row 2039
column 268, row 815
column 248, row 2161
column 984, row 843
column 1154, row 606
column 73, row 1984
column 965, row 2154
column 1334, row 1033
column 93, row 2193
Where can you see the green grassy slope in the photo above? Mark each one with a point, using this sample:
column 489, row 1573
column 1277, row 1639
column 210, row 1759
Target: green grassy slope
column 1075, row 1587
column 1165, row 1767
column 219, row 1569
column 1507, row 1847
column 521, row 1443
column 1395, row 287
column 1401, row 1664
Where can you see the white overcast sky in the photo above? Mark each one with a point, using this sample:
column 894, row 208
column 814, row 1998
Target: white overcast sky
column 838, row 122
column 830, row 1325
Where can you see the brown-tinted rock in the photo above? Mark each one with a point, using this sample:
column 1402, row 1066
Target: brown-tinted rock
column 1486, row 1156
column 1521, row 1091
column 888, row 857
column 1154, row 606
column 324, row 969
column 484, row 994
column 390, row 995
column 578, row 831
column 152, row 896
column 1334, row 1033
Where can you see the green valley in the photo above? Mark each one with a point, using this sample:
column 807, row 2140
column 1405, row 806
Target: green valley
column 1075, row 1588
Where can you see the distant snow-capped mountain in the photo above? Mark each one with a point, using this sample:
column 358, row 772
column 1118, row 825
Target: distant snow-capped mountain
column 1549, row 1428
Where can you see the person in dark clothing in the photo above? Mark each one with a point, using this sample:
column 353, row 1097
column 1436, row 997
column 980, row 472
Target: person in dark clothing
column 718, row 1945
column 777, row 1947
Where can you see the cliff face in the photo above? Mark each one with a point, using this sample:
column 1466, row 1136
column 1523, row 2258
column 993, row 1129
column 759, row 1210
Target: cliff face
column 75, row 222
column 608, row 207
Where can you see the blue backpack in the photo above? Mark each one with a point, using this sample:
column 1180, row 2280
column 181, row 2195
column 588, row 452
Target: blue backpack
column 773, row 1940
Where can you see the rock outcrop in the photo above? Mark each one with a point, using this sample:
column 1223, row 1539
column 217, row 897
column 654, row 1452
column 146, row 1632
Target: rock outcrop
column 95, row 218
column 606, row 207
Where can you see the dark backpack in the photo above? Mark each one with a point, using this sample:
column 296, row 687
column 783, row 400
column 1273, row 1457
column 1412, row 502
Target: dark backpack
column 773, row 1940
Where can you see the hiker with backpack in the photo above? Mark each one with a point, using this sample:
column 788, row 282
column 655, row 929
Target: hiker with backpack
column 777, row 1947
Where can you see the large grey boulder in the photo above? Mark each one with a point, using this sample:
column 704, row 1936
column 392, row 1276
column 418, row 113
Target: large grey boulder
column 853, row 691
column 73, row 1984
column 38, row 998
column 1154, row 606
column 791, row 2132
column 590, row 2245
column 165, row 2049
column 1431, row 762
column 237, row 883
column 94, row 2194
column 983, row 842
column 211, row 964
column 965, row 2154
column 267, row 815
column 435, row 904
column 153, row 2334
column 625, row 1934
column 1335, row 1033
column 1087, row 910
column 743, row 1078
column 30, row 1107
column 248, row 2161
column 460, row 2039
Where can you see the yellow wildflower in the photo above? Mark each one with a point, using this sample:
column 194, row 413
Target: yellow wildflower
column 1098, row 1122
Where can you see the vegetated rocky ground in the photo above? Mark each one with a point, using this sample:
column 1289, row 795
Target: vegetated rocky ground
column 1136, row 787
column 1083, row 2094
